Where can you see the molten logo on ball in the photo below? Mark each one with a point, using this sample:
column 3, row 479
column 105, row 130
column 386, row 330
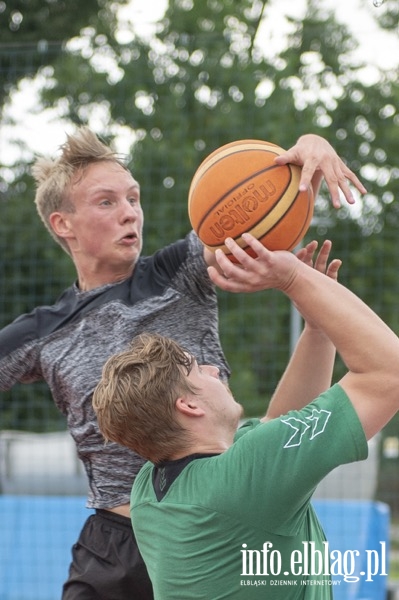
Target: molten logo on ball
column 227, row 218
column 239, row 188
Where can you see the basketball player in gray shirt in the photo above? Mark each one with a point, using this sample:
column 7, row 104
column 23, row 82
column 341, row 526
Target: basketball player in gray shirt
column 90, row 204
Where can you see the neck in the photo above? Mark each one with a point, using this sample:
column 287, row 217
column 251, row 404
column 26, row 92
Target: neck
column 216, row 447
column 89, row 280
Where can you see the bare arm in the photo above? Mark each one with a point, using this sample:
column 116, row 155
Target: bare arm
column 368, row 347
column 309, row 371
column 307, row 375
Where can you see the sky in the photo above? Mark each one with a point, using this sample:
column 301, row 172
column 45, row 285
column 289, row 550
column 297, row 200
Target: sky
column 376, row 47
column 44, row 133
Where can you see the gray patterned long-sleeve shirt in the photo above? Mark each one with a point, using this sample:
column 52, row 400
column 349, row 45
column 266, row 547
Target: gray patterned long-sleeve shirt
column 68, row 343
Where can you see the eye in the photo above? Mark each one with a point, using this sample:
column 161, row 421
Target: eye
column 104, row 202
column 133, row 201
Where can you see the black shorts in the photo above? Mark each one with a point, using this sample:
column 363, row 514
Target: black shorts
column 106, row 564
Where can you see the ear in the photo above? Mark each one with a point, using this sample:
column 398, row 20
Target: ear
column 189, row 407
column 60, row 224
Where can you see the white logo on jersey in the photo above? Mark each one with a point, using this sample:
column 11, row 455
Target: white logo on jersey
column 318, row 420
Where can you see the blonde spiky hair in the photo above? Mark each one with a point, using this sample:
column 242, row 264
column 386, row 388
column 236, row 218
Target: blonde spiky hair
column 53, row 177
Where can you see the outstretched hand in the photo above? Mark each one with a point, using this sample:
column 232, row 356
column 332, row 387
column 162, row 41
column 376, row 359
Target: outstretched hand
column 318, row 159
column 306, row 255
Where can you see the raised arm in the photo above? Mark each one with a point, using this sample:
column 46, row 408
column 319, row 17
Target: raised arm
column 310, row 368
column 368, row 347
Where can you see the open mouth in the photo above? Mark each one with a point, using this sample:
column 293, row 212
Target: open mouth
column 131, row 237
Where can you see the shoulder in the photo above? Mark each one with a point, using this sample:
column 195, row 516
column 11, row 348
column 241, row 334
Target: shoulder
column 330, row 417
column 181, row 262
column 249, row 425
column 142, row 485
column 180, row 250
column 36, row 324
column 143, row 476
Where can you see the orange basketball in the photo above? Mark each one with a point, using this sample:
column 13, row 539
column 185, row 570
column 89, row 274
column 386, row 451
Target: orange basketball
column 238, row 189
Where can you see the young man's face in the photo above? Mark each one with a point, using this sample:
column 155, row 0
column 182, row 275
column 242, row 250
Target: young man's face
column 215, row 395
column 105, row 231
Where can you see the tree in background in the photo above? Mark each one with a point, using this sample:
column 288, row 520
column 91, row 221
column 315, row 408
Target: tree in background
column 45, row 26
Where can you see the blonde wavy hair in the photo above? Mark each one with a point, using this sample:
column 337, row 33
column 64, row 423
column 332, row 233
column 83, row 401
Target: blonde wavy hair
column 136, row 396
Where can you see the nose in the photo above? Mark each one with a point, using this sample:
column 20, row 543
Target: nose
column 129, row 211
column 213, row 370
